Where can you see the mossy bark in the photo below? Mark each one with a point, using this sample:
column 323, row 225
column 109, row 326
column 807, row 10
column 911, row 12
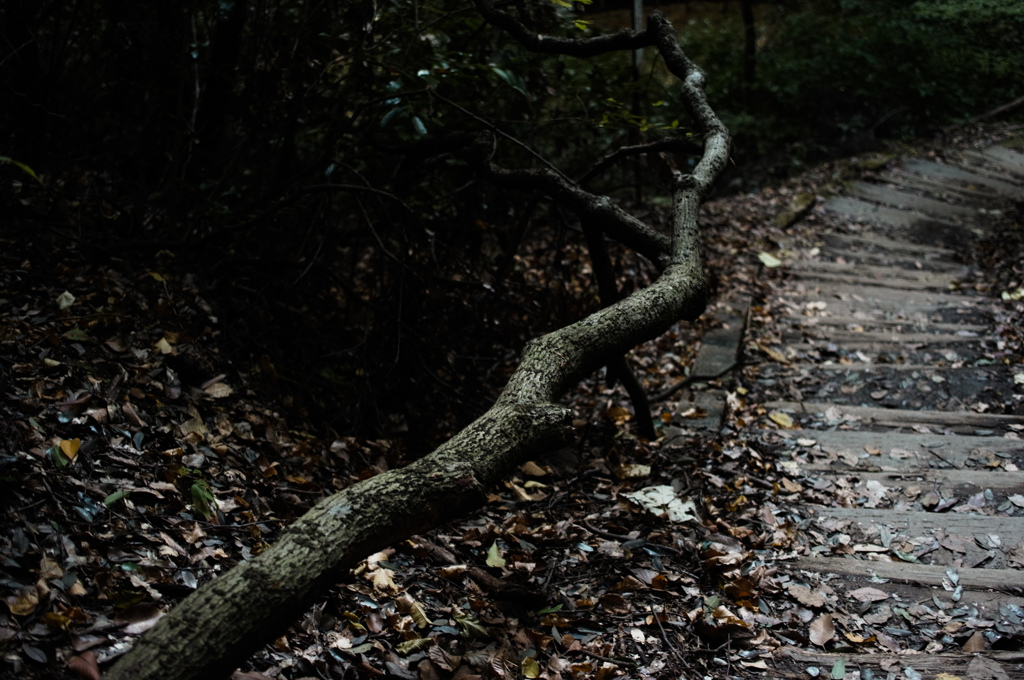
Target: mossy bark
column 213, row 630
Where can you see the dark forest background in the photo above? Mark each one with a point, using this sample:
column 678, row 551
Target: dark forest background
column 302, row 158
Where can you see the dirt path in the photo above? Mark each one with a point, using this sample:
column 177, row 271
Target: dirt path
column 900, row 531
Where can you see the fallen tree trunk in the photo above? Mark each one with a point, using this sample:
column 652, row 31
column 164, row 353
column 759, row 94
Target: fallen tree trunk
column 214, row 630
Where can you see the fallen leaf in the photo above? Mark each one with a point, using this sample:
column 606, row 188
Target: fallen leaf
column 532, row 469
column 769, row 260
column 65, row 300
column 662, row 500
column 774, row 354
column 219, row 390
column 868, row 594
column 85, row 666
column 494, row 558
column 382, row 582
column 976, row 643
column 24, row 602
column 70, row 447
column 822, row 630
column 806, row 596
column 781, row 419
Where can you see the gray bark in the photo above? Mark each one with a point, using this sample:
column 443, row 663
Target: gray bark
column 213, row 630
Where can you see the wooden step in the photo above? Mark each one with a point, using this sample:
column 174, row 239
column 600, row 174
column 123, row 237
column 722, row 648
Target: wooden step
column 933, row 169
column 898, row 417
column 907, row 452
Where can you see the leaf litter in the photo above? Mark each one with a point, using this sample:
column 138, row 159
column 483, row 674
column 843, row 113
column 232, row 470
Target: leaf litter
column 139, row 463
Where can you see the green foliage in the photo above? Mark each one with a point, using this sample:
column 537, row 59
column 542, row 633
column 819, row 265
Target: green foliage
column 830, row 75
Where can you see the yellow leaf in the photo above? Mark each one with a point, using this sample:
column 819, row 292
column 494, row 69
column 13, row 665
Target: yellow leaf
column 769, row 260
column 163, row 346
column 415, row 645
column 24, row 602
column 946, row 676
column 70, row 447
column 736, row 503
column 531, row 669
column 782, row 420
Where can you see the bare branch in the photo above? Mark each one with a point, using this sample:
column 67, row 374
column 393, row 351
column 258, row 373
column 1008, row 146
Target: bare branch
column 672, row 144
column 597, row 210
column 574, row 47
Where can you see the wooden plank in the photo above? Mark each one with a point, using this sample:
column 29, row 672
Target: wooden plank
column 889, row 244
column 933, row 169
column 1012, row 161
column 866, row 292
column 709, row 406
column 911, row 524
column 792, row 662
column 895, row 324
column 985, row 165
column 868, row 272
column 883, row 346
column 907, row 201
column 719, row 349
column 975, row 159
column 911, row 314
column 874, row 302
column 917, row 574
column 905, row 452
column 861, row 256
column 899, row 417
column 892, row 282
column 843, row 336
column 872, row 212
column 981, row 587
column 942, row 188
column 952, row 482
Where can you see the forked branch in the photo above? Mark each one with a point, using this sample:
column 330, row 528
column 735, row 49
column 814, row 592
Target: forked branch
column 213, row 630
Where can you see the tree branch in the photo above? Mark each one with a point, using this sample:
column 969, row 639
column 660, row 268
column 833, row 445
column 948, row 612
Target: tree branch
column 673, row 144
column 625, row 39
column 213, row 630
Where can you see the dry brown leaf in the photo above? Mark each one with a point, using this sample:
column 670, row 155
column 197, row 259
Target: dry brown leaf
column 533, row 470
column 976, row 643
column 382, row 582
column 867, row 594
column 806, row 596
column 774, row 354
column 85, row 666
column 822, row 630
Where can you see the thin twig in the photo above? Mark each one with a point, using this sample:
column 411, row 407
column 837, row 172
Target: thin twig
column 491, row 126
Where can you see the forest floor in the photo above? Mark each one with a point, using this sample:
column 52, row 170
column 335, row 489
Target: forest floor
column 137, row 464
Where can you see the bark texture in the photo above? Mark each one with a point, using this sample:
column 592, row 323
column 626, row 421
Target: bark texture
column 213, row 630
